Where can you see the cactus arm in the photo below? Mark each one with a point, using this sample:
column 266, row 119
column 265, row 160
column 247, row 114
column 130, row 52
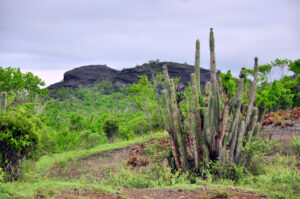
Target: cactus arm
column 212, row 58
column 239, row 142
column 252, row 94
column 214, row 84
column 236, row 107
column 169, row 119
column 197, row 67
column 222, row 131
column 234, row 126
column 258, row 124
column 176, row 121
column 195, row 134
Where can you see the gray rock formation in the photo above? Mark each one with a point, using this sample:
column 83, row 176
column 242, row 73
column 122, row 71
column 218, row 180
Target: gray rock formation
column 86, row 76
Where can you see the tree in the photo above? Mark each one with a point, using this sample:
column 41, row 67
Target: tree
column 278, row 94
column 228, row 83
column 19, row 85
column 144, row 96
column 295, row 66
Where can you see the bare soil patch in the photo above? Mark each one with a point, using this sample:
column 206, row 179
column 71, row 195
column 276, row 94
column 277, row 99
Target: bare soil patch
column 85, row 193
column 201, row 193
column 276, row 132
column 98, row 166
column 95, row 166
column 205, row 193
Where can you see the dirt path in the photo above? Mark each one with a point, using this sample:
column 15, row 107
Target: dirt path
column 192, row 194
column 95, row 166
column 201, row 193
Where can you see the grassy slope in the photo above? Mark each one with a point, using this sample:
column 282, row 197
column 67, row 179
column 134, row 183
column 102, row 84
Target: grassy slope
column 35, row 180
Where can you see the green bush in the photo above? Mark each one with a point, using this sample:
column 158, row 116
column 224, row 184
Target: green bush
column 87, row 139
column 48, row 140
column 17, row 140
column 110, row 128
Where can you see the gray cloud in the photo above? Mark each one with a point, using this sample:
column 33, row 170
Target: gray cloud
column 63, row 34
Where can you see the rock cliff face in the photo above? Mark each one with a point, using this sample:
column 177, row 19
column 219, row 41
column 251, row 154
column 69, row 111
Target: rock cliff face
column 86, row 76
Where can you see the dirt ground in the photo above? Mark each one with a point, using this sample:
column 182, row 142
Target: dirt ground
column 97, row 166
column 193, row 194
column 278, row 133
column 201, row 193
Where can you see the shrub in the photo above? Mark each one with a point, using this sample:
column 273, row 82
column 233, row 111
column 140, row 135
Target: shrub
column 48, row 140
column 110, row 128
column 87, row 139
column 17, row 140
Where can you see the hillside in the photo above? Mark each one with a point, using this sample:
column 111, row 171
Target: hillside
column 86, row 76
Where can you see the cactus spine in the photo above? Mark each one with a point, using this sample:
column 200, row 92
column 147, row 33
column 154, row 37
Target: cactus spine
column 224, row 127
column 3, row 101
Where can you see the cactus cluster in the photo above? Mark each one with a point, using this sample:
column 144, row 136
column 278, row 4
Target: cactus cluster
column 219, row 128
column 3, row 101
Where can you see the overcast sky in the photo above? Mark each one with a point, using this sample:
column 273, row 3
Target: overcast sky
column 49, row 37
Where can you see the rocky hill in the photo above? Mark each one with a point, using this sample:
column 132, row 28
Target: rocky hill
column 86, row 76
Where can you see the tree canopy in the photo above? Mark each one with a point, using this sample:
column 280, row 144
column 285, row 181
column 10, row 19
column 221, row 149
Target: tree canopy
column 13, row 81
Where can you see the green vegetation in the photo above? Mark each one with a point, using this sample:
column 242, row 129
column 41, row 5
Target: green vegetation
column 17, row 140
column 282, row 93
column 35, row 179
column 110, row 128
column 213, row 134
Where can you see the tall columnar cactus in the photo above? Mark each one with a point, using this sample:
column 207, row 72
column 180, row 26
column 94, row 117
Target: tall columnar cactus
column 221, row 129
column 197, row 65
column 3, row 101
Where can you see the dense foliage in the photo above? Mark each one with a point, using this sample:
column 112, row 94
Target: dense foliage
column 18, row 139
column 279, row 94
column 282, row 93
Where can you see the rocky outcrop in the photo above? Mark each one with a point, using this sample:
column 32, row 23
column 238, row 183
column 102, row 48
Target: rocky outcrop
column 86, row 76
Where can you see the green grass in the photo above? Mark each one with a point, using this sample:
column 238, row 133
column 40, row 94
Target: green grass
column 47, row 187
